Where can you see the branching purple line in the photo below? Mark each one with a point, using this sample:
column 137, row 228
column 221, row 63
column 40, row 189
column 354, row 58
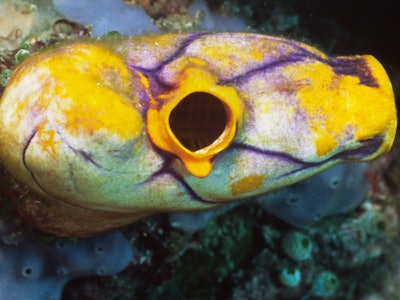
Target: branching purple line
column 86, row 156
column 166, row 169
column 277, row 154
column 266, row 67
column 177, row 53
column 24, row 151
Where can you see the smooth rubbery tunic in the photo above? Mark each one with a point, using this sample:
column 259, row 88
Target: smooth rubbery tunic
column 109, row 131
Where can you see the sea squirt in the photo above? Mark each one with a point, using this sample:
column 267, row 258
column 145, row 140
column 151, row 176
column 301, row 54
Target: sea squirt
column 105, row 132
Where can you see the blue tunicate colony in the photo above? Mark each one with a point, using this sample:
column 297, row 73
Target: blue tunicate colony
column 34, row 268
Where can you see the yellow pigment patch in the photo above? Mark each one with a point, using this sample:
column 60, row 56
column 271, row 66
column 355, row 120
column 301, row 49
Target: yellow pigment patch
column 247, row 184
column 196, row 61
column 93, row 91
column 144, row 81
column 338, row 107
column 84, row 119
column 256, row 53
column 220, row 56
column 46, row 140
column 159, row 41
column 222, row 53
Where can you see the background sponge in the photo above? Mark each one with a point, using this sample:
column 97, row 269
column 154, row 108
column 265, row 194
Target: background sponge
column 32, row 267
column 337, row 190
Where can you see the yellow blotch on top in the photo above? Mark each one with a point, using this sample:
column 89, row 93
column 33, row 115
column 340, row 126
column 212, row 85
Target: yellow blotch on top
column 243, row 53
column 338, row 106
column 92, row 88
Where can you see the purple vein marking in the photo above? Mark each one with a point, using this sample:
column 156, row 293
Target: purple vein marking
column 85, row 155
column 177, row 53
column 280, row 155
column 24, row 150
column 268, row 66
column 167, row 169
column 367, row 148
column 353, row 66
